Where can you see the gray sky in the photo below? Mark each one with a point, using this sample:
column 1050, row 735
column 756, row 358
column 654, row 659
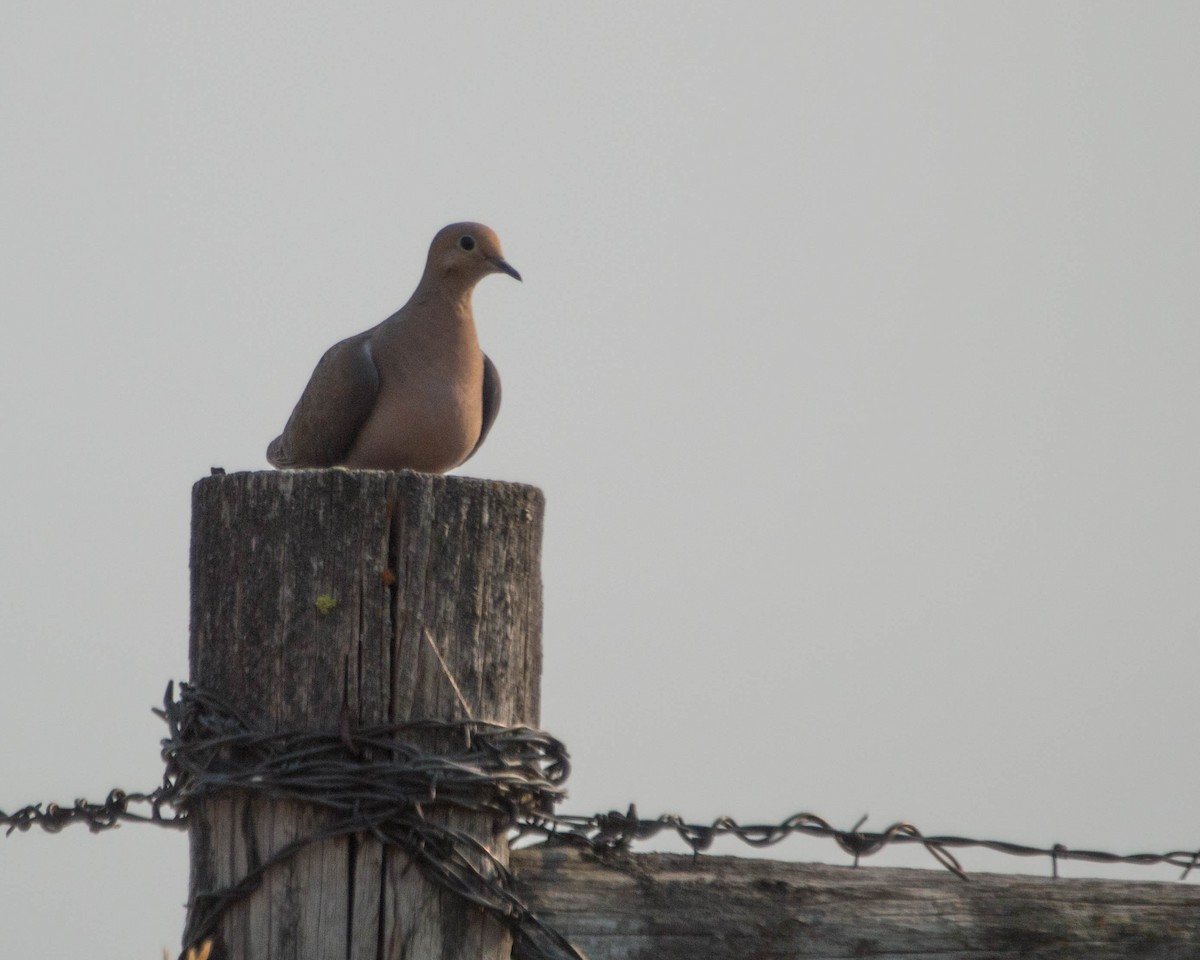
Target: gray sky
column 857, row 356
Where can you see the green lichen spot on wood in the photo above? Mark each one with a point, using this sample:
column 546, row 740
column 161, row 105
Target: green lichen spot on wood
column 325, row 604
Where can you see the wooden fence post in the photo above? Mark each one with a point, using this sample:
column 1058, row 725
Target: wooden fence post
column 319, row 595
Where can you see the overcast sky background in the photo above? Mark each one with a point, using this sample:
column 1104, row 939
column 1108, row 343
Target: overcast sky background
column 857, row 356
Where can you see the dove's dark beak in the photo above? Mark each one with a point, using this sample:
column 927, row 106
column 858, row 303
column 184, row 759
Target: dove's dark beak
column 504, row 267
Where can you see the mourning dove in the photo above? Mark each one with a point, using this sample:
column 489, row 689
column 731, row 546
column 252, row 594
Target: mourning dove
column 415, row 392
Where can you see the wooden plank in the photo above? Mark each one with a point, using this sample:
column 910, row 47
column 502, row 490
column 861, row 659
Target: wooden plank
column 322, row 594
column 676, row 907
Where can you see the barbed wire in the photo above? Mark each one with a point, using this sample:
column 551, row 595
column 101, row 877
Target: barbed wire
column 114, row 809
column 395, row 781
column 387, row 781
column 619, row 831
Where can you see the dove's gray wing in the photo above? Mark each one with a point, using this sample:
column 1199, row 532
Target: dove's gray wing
column 335, row 404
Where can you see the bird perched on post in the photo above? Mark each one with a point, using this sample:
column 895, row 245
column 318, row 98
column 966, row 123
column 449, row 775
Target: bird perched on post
column 415, row 392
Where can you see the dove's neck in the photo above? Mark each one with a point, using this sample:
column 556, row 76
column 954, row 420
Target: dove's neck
column 440, row 316
column 444, row 294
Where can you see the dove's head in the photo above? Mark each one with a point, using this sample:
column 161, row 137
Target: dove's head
column 465, row 253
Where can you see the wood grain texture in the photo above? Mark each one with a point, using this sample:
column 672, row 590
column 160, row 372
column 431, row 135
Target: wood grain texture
column 676, row 907
column 319, row 591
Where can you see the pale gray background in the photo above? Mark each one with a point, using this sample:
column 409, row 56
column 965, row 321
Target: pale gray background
column 857, row 356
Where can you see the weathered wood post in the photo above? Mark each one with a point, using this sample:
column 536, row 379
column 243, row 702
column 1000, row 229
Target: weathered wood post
column 328, row 596
column 676, row 907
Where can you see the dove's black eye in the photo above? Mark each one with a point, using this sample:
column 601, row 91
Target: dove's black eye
column 467, row 243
